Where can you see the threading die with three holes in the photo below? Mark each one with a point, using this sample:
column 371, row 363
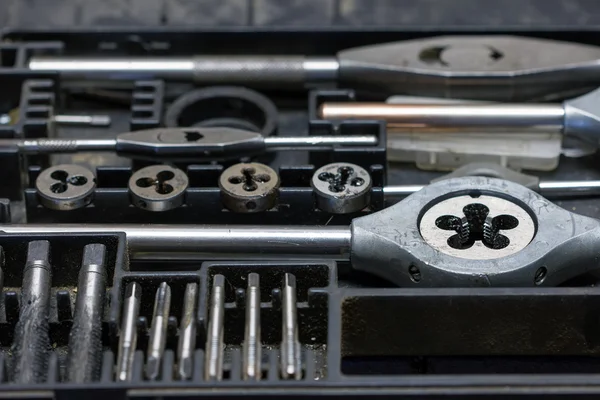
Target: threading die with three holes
column 342, row 188
column 65, row 187
column 158, row 188
column 249, row 188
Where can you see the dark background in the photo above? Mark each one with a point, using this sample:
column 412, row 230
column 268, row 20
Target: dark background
column 34, row 14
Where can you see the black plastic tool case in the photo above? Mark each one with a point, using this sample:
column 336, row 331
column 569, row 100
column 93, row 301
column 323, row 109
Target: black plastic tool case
column 361, row 336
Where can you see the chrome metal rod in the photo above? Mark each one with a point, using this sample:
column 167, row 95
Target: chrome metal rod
column 291, row 352
column 258, row 70
column 158, row 331
column 31, row 344
column 453, row 117
column 213, row 368
column 187, row 333
column 313, row 142
column 252, row 346
column 128, row 334
column 554, row 189
column 84, row 362
column 211, row 239
column 45, row 146
column 549, row 189
column 85, row 120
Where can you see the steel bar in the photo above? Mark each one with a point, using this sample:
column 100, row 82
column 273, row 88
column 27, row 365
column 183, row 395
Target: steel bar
column 252, row 347
column 128, row 334
column 210, row 239
column 31, row 343
column 158, row 331
column 453, row 117
column 213, row 369
column 85, row 340
column 187, row 333
column 548, row 189
column 291, row 352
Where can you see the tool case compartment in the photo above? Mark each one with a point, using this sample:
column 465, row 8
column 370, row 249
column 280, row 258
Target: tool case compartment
column 360, row 335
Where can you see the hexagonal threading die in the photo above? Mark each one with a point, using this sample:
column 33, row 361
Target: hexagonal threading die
column 390, row 244
column 249, row 188
column 341, row 188
column 65, row 187
column 158, row 188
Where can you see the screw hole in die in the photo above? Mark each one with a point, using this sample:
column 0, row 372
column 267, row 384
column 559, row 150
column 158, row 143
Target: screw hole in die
column 163, row 176
column 540, row 275
column 77, row 180
column 58, row 187
column 144, row 182
column 415, row 273
column 60, row 175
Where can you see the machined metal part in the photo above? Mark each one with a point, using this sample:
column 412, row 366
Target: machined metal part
column 101, row 121
column 215, row 347
column 252, row 347
column 499, row 68
column 579, row 117
column 128, row 332
column 65, row 187
column 249, row 188
column 291, row 352
column 158, row 331
column 84, row 360
column 193, row 144
column 31, row 342
column 341, row 188
column 187, row 333
column 478, row 228
column 158, row 188
column 389, row 243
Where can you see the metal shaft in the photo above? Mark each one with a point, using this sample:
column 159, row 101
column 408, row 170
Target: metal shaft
column 317, row 142
column 128, row 335
column 158, row 331
column 31, row 340
column 85, row 340
column 549, row 189
column 291, row 356
column 453, row 117
column 83, row 120
column 261, row 71
column 252, row 348
column 213, row 368
column 48, row 146
column 45, row 146
column 210, row 239
column 187, row 333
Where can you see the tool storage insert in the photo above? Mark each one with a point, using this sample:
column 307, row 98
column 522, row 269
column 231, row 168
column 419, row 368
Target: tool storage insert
column 354, row 329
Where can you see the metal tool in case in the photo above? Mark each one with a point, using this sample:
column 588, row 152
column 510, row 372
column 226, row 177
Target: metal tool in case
column 500, row 68
column 394, row 243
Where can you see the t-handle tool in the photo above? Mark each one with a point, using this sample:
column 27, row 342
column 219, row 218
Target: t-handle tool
column 579, row 116
column 471, row 231
column 188, row 143
column 500, row 68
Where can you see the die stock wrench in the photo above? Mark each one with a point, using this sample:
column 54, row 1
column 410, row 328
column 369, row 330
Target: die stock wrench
column 470, row 231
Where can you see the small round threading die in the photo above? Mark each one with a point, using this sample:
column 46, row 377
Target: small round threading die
column 158, row 188
column 342, row 188
column 249, row 188
column 65, row 187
